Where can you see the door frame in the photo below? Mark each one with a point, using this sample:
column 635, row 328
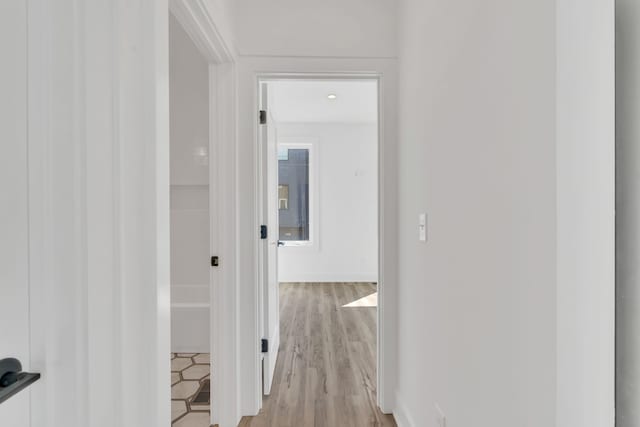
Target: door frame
column 387, row 243
column 195, row 18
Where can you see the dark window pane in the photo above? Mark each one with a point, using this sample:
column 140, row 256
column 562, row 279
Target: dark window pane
column 293, row 176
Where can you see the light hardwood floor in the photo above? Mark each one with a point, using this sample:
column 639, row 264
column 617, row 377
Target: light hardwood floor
column 326, row 370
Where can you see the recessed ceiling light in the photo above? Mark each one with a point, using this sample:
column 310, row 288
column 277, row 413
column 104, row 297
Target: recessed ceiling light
column 332, row 96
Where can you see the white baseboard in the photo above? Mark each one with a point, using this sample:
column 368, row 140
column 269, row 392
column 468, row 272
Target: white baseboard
column 401, row 414
column 328, row 277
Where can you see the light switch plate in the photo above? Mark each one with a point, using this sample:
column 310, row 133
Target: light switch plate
column 422, row 227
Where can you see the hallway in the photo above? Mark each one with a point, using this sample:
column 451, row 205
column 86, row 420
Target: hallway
column 325, row 375
column 445, row 192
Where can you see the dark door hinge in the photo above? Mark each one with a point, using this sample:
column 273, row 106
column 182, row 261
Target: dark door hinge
column 263, row 117
column 215, row 261
column 263, row 232
column 265, row 345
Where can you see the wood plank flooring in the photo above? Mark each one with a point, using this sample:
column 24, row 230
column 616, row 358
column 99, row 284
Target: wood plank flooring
column 326, row 369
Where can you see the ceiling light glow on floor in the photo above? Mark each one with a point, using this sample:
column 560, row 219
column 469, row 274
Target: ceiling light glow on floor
column 332, row 96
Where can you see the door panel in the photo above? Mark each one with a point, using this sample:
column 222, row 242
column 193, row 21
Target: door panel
column 270, row 217
column 14, row 266
column 272, row 311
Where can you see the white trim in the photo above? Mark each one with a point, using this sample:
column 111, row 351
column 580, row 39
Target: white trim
column 223, row 243
column 388, row 246
column 585, row 158
column 299, row 243
column 200, row 25
column 196, row 19
column 401, row 414
column 251, row 70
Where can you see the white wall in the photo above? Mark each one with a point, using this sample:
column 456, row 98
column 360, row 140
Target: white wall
column 329, row 28
column 586, row 221
column 627, row 213
column 14, row 198
column 189, row 124
column 98, row 154
column 345, row 240
column 189, row 109
column 477, row 153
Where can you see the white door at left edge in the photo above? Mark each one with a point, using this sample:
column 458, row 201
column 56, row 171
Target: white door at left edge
column 270, row 294
column 14, row 266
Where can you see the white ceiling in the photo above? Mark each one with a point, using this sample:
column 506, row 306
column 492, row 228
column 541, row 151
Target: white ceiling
column 305, row 101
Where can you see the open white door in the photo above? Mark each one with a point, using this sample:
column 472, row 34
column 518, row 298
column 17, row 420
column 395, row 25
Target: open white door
column 14, row 257
column 269, row 181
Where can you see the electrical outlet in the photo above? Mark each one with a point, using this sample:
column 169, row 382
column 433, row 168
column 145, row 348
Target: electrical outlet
column 440, row 417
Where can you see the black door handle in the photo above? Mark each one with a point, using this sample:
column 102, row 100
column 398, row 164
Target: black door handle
column 12, row 379
column 9, row 370
column 280, row 243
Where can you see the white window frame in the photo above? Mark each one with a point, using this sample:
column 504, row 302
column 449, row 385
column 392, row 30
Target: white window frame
column 305, row 143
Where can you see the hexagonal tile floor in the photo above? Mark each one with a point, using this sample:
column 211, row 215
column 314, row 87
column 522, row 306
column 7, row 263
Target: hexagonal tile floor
column 190, row 379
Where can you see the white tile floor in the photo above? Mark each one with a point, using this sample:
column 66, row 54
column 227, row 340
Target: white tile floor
column 188, row 373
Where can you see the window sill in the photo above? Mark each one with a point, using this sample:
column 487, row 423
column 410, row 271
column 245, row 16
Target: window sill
column 296, row 244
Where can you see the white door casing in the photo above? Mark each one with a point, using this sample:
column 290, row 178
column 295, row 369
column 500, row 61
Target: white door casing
column 204, row 23
column 251, row 70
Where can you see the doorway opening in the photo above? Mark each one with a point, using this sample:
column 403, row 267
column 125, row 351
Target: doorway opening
column 190, row 230
column 319, row 257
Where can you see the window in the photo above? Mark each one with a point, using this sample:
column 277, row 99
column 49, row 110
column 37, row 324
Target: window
column 293, row 193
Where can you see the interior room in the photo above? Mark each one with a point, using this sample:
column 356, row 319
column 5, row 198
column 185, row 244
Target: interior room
column 336, row 122
column 327, row 259
column 190, row 237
